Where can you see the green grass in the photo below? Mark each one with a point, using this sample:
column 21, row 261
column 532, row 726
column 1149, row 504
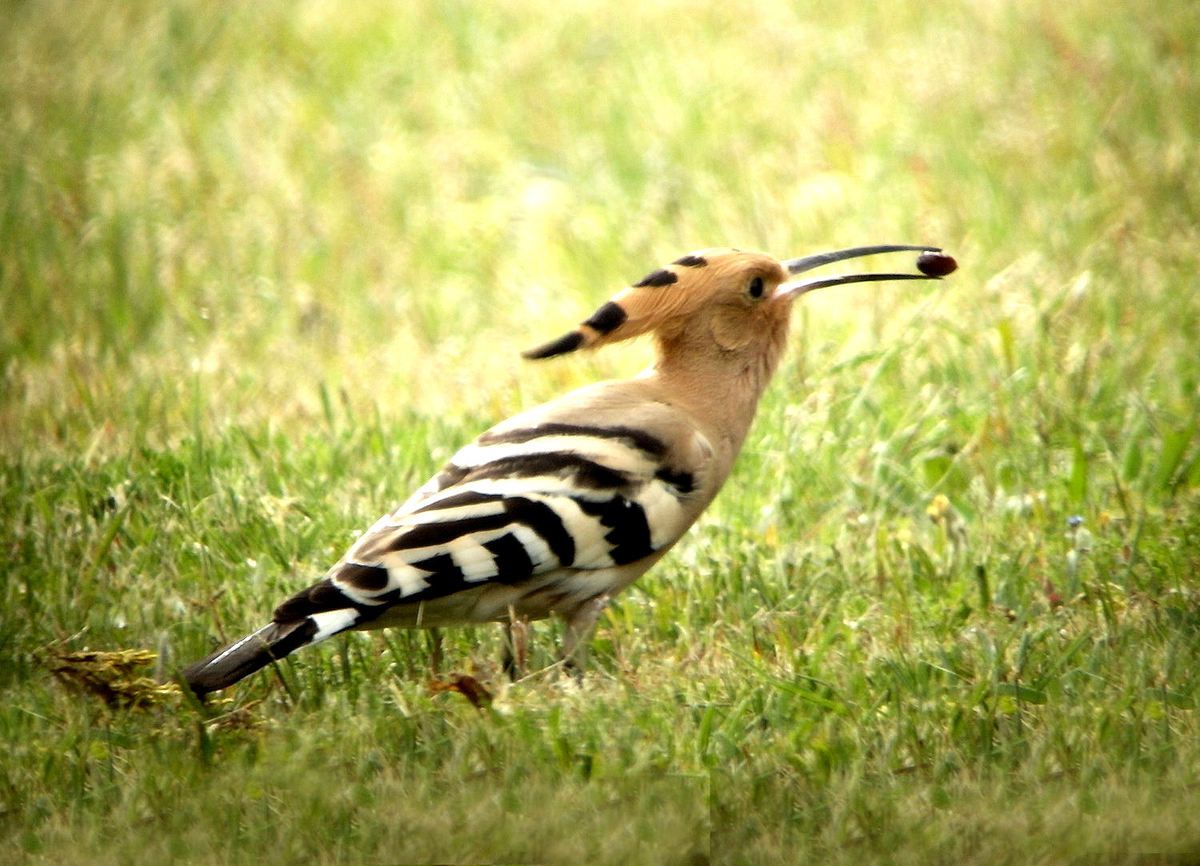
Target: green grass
column 264, row 267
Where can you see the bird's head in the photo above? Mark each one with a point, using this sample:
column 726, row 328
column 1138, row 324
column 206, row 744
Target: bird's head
column 728, row 299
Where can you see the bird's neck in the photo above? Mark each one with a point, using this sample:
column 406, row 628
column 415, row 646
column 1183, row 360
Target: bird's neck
column 720, row 388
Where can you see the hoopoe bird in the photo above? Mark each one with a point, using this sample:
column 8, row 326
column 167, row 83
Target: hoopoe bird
column 559, row 508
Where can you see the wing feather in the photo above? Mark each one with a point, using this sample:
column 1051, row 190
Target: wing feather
column 518, row 503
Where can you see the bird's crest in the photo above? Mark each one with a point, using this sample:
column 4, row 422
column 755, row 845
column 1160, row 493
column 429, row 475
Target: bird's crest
column 662, row 297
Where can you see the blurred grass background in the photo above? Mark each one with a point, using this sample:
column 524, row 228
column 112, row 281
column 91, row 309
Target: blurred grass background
column 264, row 266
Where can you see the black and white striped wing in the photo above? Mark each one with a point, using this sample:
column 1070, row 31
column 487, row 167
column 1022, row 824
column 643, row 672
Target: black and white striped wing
column 519, row 502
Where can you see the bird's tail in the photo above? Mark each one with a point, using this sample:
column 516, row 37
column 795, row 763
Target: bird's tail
column 255, row 651
column 311, row 615
column 243, row 657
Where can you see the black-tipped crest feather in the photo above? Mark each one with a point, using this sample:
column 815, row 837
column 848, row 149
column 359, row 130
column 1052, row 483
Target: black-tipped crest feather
column 568, row 342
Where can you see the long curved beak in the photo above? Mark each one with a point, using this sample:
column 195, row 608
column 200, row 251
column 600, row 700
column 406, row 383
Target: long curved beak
column 795, row 288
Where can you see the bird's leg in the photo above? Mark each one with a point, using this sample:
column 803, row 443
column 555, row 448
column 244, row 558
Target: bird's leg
column 580, row 623
column 516, row 648
column 435, row 650
column 508, row 657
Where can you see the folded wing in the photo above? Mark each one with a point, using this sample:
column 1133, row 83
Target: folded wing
column 517, row 503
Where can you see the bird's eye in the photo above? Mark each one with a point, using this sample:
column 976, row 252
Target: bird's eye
column 755, row 289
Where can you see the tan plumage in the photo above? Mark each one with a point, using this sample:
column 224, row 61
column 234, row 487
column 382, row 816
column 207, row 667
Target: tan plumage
column 559, row 508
